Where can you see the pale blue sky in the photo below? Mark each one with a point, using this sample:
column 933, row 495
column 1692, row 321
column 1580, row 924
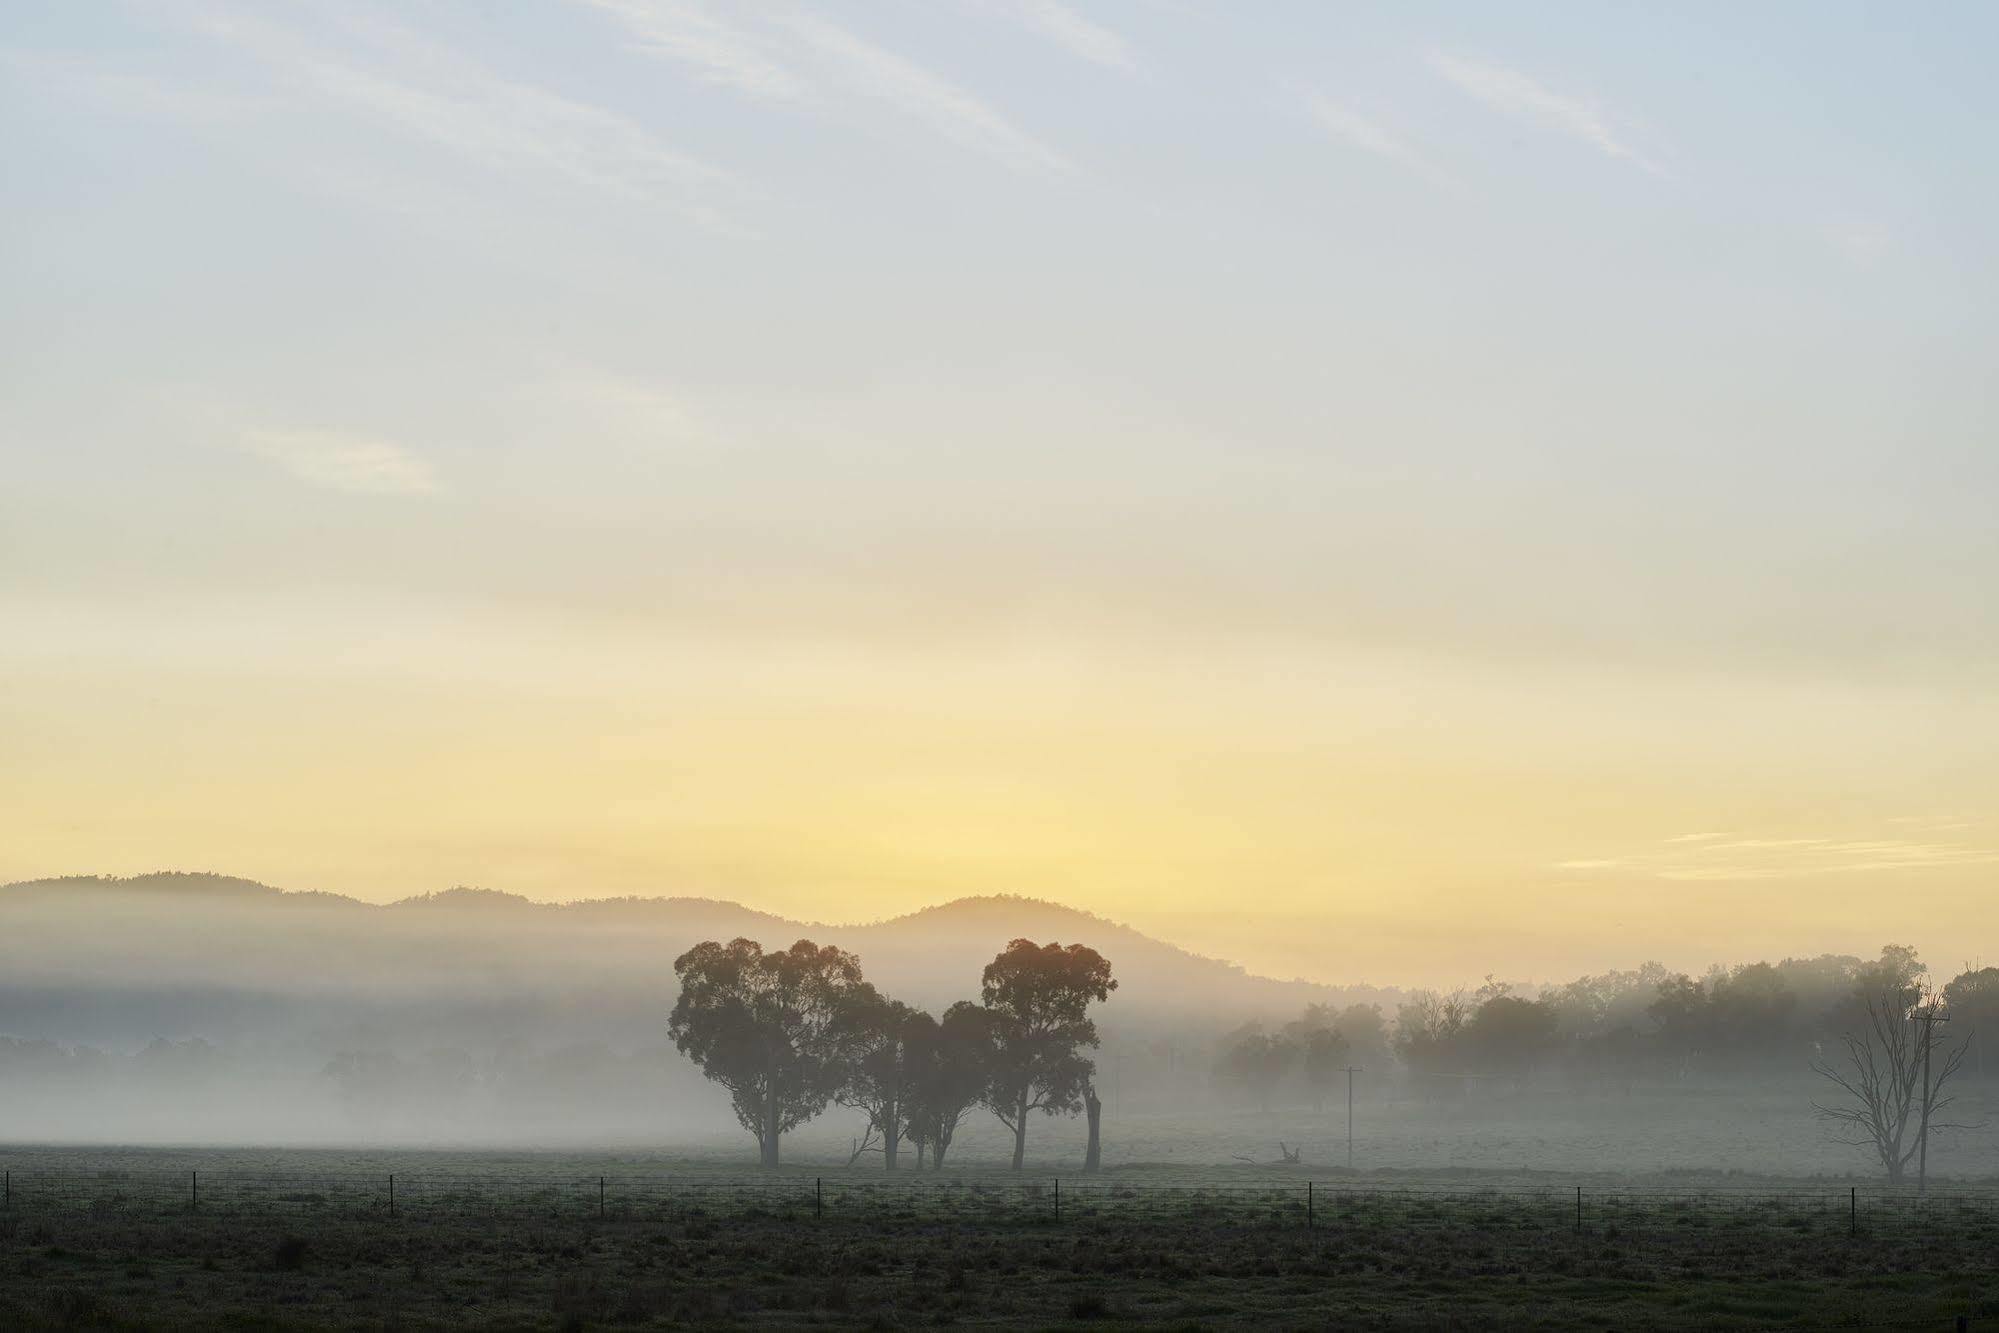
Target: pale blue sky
column 1494, row 347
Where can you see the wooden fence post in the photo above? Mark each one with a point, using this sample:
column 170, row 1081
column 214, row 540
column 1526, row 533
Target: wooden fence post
column 600, row 1198
column 1579, row 1210
column 818, row 1197
column 392, row 1194
column 194, row 1191
column 1308, row 1205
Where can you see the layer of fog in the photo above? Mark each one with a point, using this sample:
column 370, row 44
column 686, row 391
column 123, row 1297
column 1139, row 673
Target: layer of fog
column 199, row 1012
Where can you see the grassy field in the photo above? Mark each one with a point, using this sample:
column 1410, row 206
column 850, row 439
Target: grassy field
column 137, row 1239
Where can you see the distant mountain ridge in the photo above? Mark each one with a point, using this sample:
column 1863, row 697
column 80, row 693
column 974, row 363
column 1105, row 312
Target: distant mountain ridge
column 208, row 883
column 190, row 882
column 197, row 883
column 471, row 898
column 171, row 934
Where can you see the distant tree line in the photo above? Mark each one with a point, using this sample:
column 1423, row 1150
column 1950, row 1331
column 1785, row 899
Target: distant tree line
column 1650, row 1022
column 1306, row 1057
column 40, row 1059
column 792, row 1032
column 1616, row 1027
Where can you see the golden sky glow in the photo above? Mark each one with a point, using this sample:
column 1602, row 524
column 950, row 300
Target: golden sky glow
column 1310, row 813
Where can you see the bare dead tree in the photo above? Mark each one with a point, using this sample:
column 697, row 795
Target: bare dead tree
column 1892, row 1080
column 867, row 1143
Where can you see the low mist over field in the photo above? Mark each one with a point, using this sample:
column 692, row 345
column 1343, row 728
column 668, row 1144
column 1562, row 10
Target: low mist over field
column 466, row 1015
column 198, row 1009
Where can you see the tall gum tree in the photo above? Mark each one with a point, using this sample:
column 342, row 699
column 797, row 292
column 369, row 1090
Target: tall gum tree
column 951, row 1060
column 1037, row 1000
column 777, row 1030
column 889, row 1040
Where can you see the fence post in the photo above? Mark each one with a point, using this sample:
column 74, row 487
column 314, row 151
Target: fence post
column 392, row 1194
column 1308, row 1205
column 818, row 1197
column 1853, row 1210
column 1579, row 1210
column 10, row 1189
column 600, row 1198
column 194, row 1191
column 1058, row 1198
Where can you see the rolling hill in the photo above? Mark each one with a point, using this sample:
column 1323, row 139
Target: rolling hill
column 176, row 954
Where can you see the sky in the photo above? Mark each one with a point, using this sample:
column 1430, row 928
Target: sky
column 1377, row 492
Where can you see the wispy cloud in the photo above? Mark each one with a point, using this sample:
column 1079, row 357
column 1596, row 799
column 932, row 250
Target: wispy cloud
column 440, row 97
column 917, row 92
column 717, row 52
column 1523, row 97
column 1075, row 34
column 1348, row 127
column 341, row 462
column 1828, row 859
column 1697, row 857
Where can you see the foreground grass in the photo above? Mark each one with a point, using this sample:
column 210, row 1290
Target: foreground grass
column 112, row 1270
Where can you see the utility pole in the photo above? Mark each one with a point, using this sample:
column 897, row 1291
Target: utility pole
column 1932, row 1015
column 1351, row 1071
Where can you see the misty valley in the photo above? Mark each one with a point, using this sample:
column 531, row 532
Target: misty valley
column 571, row 1108
column 181, row 1010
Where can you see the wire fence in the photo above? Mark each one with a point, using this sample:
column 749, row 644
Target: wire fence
column 1009, row 1201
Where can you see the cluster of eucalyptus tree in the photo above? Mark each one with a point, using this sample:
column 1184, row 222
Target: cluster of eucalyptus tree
column 792, row 1032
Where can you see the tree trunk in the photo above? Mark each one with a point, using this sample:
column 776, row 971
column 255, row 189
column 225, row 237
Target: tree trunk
column 1020, row 1137
column 768, row 1139
column 937, row 1151
column 891, row 1137
column 1093, row 1157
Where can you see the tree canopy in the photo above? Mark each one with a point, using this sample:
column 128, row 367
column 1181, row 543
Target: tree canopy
column 949, row 1067
column 1037, row 1000
column 887, row 1038
column 780, row 1031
